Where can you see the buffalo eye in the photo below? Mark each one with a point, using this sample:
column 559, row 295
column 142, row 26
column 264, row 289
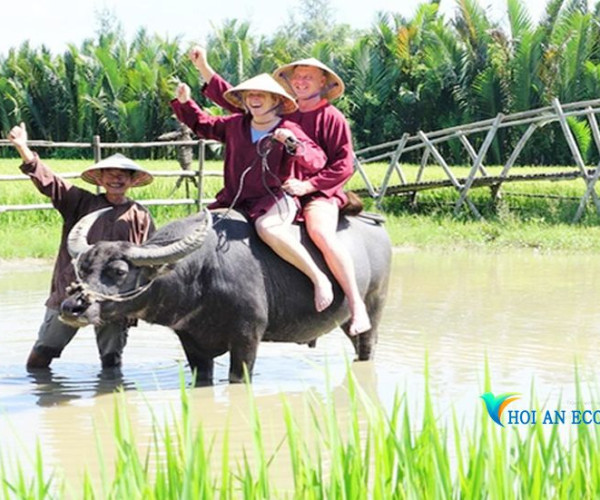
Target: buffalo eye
column 116, row 271
column 85, row 269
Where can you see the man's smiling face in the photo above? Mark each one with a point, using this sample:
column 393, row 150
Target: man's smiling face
column 307, row 81
column 116, row 181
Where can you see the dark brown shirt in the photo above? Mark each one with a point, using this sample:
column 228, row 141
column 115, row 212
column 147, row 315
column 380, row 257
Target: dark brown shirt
column 129, row 221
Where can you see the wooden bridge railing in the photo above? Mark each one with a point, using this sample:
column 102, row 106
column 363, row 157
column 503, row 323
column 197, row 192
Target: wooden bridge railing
column 428, row 144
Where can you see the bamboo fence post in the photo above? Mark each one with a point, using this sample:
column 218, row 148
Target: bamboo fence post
column 592, row 182
column 440, row 159
column 575, row 152
column 97, row 150
column 513, row 157
column 358, row 167
column 471, row 151
column 420, row 172
column 391, row 167
column 200, row 183
column 476, row 164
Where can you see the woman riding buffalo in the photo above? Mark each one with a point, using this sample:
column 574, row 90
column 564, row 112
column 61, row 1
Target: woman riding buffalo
column 257, row 167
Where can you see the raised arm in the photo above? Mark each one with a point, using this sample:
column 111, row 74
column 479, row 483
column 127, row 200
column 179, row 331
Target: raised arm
column 201, row 123
column 61, row 193
column 198, row 57
column 215, row 85
column 18, row 137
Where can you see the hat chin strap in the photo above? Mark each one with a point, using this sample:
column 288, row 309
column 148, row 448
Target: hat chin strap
column 273, row 108
column 312, row 96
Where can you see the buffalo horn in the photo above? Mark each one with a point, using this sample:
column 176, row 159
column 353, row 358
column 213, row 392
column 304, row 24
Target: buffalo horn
column 158, row 255
column 77, row 240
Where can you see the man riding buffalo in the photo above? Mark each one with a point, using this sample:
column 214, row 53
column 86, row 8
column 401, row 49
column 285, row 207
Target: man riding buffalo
column 321, row 193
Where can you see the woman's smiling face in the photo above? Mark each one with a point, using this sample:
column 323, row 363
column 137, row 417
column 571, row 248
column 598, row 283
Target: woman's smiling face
column 260, row 103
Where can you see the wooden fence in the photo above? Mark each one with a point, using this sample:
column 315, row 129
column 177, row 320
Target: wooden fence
column 97, row 147
column 532, row 121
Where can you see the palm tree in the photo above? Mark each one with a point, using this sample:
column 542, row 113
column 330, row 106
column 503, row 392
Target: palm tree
column 230, row 50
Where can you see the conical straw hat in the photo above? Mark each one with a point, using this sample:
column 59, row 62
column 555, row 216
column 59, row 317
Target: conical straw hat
column 334, row 86
column 140, row 176
column 263, row 83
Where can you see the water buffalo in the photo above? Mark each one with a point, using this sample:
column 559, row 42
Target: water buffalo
column 220, row 288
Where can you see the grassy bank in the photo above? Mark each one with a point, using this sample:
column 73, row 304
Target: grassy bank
column 529, row 215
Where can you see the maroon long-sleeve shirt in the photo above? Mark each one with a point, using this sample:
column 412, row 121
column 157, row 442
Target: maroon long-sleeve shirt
column 325, row 125
column 258, row 190
column 129, row 221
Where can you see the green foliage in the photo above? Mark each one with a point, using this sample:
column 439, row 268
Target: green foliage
column 402, row 75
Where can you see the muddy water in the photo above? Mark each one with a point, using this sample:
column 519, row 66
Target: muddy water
column 532, row 316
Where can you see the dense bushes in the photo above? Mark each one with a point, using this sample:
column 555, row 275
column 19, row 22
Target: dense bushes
column 402, row 75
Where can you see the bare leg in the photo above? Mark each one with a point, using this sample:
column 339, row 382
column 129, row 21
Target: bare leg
column 274, row 229
column 321, row 223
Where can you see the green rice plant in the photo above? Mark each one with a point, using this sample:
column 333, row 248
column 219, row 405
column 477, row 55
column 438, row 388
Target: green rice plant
column 368, row 452
column 39, row 486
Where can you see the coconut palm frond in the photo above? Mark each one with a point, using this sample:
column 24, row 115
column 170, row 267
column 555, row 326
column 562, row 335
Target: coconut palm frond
column 519, row 19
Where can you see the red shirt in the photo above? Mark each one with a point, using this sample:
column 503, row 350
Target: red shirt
column 325, row 125
column 128, row 222
column 260, row 189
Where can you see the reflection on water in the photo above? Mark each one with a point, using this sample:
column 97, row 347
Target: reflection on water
column 532, row 316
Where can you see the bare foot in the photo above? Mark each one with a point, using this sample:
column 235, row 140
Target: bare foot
column 323, row 294
column 360, row 321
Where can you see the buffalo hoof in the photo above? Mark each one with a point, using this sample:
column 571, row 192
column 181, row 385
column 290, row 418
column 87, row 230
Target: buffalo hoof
column 112, row 360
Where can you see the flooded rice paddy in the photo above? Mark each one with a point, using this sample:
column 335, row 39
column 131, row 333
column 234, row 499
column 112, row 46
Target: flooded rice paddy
column 533, row 317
